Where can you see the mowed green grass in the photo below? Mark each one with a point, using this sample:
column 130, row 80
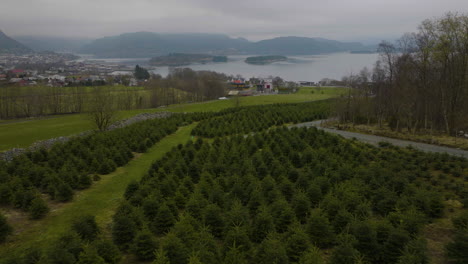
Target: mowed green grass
column 23, row 132
column 100, row 200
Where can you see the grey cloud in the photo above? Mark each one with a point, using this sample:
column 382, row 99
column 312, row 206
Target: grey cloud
column 254, row 19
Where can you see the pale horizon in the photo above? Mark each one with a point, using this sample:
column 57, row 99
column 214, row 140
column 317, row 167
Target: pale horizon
column 359, row 20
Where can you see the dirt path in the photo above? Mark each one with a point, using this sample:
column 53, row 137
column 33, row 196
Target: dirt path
column 374, row 140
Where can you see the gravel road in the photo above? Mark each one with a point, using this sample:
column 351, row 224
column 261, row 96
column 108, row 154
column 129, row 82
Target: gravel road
column 397, row 142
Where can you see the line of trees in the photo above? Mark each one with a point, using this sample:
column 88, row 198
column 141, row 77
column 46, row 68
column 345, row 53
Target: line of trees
column 419, row 83
column 182, row 85
column 196, row 86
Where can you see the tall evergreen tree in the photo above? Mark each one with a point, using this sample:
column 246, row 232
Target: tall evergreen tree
column 213, row 218
column 457, row 249
column 312, row 256
column 5, row 228
column 141, row 73
column 344, row 254
column 86, row 227
column 123, row 231
column 144, row 246
column 176, row 251
column 160, row 257
column 164, row 220
column 38, row 208
column 108, row 251
column 319, row 229
column 296, row 244
column 235, row 255
column 271, row 251
column 90, row 256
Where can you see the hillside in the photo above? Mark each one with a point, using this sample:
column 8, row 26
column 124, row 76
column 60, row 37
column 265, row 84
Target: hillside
column 302, row 46
column 147, row 44
column 59, row 44
column 9, row 45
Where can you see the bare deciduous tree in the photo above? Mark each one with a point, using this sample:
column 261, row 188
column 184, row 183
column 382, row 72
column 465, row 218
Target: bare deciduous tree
column 102, row 109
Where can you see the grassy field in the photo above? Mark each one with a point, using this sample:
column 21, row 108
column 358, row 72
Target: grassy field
column 100, row 200
column 23, row 132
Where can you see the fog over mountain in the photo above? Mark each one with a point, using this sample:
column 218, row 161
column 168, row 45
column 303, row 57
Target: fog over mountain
column 147, row 44
column 45, row 43
column 255, row 20
column 9, row 45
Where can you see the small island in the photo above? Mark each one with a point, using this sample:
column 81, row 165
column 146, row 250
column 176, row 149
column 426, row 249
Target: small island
column 261, row 60
column 180, row 59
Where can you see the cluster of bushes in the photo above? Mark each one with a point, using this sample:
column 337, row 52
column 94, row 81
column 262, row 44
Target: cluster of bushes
column 258, row 118
column 283, row 196
column 73, row 165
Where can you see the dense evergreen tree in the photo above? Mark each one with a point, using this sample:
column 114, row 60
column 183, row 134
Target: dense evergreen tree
column 141, row 73
column 144, row 246
column 320, row 230
column 272, row 251
column 344, row 254
column 160, row 257
column 238, row 236
column 263, row 225
column 312, row 256
column 124, row 230
column 176, row 251
column 64, row 193
column 395, row 243
column 366, row 238
column 5, row 228
column 90, row 256
column 206, row 246
column 164, row 220
column 415, row 252
column 108, row 251
column 86, row 227
column 213, row 218
column 456, row 250
column 38, row 208
column 296, row 244
column 235, row 255
column 66, row 250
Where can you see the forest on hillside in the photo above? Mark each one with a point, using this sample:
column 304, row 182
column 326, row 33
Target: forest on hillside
column 418, row 84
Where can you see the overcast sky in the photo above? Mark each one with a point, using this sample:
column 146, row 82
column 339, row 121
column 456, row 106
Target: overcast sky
column 252, row 19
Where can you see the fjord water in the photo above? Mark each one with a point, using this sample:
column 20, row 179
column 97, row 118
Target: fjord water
column 297, row 68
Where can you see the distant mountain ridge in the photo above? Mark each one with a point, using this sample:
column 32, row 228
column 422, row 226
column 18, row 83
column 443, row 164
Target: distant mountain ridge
column 9, row 45
column 302, row 46
column 148, row 44
column 57, row 44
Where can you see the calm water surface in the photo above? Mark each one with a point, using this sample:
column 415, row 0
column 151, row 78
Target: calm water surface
column 297, row 68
